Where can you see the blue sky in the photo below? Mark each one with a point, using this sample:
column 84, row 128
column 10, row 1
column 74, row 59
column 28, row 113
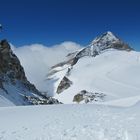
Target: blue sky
column 53, row 21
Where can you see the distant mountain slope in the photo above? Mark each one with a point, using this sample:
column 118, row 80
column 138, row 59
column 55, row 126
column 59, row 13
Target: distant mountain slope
column 108, row 69
column 15, row 89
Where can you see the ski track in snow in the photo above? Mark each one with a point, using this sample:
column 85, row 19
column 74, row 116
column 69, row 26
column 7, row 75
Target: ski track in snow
column 69, row 122
column 108, row 77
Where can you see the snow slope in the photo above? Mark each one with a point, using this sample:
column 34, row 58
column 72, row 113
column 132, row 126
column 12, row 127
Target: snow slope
column 113, row 72
column 70, row 122
column 107, row 66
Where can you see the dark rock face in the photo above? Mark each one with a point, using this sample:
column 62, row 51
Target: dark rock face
column 121, row 46
column 64, row 84
column 9, row 63
column 12, row 73
column 88, row 97
column 10, row 66
column 43, row 101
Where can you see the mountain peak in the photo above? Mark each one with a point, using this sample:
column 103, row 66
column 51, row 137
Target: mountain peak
column 110, row 33
column 107, row 37
column 108, row 40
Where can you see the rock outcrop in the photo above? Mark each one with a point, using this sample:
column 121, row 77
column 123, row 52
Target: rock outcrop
column 64, row 84
column 88, row 97
column 14, row 84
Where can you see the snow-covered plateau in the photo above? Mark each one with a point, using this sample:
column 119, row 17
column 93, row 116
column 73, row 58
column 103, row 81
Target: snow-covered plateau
column 70, row 122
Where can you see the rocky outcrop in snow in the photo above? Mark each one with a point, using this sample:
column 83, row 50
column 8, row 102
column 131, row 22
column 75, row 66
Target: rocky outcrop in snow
column 64, row 84
column 88, row 97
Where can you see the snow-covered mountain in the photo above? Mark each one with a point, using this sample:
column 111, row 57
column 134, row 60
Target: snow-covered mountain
column 106, row 70
column 106, row 73
column 15, row 89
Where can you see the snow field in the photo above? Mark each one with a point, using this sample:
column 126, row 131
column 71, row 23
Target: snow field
column 70, row 122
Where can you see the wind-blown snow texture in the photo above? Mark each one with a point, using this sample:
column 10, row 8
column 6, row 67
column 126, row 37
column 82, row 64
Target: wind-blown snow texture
column 70, row 122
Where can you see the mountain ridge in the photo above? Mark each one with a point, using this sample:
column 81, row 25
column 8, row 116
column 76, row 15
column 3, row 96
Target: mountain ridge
column 15, row 89
column 103, row 42
column 105, row 54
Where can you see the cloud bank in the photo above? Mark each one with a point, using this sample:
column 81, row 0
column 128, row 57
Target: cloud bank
column 37, row 59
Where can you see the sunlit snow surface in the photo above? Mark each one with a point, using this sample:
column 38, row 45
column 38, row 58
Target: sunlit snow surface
column 70, row 122
column 114, row 73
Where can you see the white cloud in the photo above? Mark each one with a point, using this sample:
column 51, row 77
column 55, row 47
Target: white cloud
column 37, row 59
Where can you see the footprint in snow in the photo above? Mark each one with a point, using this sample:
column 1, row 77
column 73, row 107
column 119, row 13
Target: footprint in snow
column 1, row 137
column 14, row 132
column 25, row 128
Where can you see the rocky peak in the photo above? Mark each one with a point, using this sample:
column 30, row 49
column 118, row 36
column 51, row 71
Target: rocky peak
column 106, row 41
column 10, row 64
column 100, row 44
column 104, row 38
column 4, row 46
column 13, row 82
column 11, row 69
